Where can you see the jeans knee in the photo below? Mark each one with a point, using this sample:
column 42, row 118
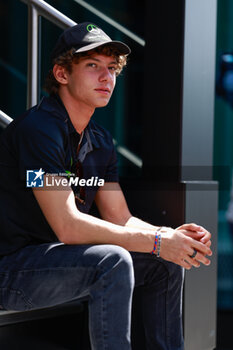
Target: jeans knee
column 119, row 261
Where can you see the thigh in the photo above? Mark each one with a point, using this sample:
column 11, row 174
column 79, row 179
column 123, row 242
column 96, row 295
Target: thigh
column 50, row 274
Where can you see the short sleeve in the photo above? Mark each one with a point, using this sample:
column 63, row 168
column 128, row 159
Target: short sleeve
column 40, row 143
column 112, row 168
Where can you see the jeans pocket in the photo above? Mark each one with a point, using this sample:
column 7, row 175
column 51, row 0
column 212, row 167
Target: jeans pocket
column 14, row 300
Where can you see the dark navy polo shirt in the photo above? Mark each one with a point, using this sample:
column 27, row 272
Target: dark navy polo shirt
column 44, row 138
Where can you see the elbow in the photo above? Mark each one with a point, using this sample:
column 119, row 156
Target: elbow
column 63, row 238
column 68, row 232
column 67, row 239
column 64, row 235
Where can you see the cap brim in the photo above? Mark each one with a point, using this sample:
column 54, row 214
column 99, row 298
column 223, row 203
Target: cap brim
column 121, row 47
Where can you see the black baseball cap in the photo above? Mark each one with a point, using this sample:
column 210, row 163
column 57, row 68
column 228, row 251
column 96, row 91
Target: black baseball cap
column 84, row 37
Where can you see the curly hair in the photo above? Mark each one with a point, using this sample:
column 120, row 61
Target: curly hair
column 69, row 57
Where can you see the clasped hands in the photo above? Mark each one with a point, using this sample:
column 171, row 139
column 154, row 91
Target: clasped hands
column 181, row 244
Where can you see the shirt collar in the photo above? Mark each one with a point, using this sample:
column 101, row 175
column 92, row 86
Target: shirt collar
column 93, row 132
column 53, row 104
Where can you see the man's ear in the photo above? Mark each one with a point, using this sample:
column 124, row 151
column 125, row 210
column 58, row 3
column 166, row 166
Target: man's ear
column 60, row 74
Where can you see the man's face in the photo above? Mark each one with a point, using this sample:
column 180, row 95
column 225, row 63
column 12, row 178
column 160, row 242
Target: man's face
column 92, row 80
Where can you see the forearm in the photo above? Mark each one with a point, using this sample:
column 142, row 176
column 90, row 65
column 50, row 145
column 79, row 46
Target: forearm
column 134, row 222
column 86, row 229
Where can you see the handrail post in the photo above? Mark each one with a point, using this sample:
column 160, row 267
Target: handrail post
column 33, row 56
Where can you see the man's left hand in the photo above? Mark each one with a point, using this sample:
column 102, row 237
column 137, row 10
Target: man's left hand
column 196, row 232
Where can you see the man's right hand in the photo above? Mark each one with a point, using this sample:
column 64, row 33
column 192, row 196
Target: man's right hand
column 178, row 246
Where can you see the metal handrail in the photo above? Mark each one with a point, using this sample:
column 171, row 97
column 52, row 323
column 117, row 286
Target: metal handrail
column 4, row 119
column 37, row 8
column 50, row 13
column 111, row 21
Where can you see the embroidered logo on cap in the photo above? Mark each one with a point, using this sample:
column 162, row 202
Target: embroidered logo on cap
column 90, row 27
column 93, row 29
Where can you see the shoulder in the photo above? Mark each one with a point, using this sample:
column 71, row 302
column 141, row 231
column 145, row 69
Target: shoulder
column 43, row 117
column 37, row 125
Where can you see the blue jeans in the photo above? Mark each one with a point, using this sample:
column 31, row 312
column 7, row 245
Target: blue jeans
column 51, row 274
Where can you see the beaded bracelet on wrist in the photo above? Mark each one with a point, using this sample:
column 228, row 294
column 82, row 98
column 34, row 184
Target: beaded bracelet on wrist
column 157, row 243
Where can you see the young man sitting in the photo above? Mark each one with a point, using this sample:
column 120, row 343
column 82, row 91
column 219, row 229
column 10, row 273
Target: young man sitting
column 52, row 251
